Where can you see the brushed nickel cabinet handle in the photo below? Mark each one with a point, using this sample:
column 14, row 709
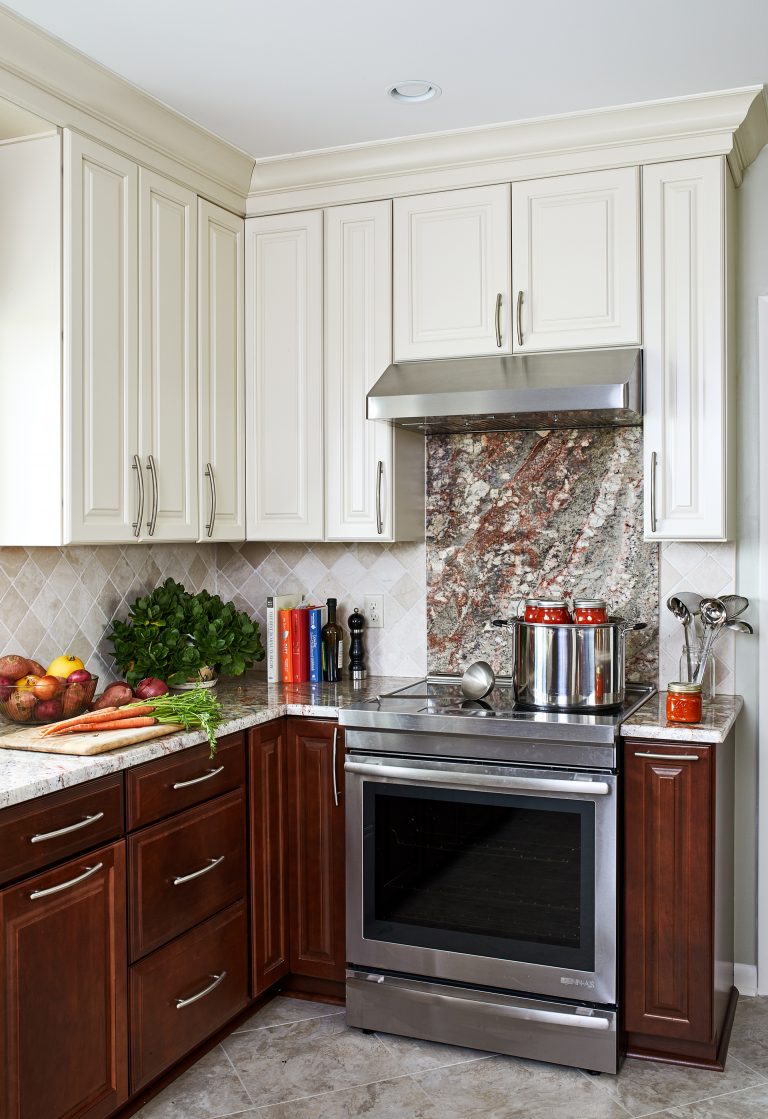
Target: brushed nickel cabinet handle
column 498, row 320
column 669, row 757
column 182, row 878
column 654, row 463
column 65, row 885
column 196, row 780
column 379, row 518
column 333, row 762
column 136, row 526
column 519, row 318
column 217, row 979
column 212, row 482
column 84, row 823
column 152, row 522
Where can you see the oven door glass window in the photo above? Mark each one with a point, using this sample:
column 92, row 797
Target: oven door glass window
column 490, row 874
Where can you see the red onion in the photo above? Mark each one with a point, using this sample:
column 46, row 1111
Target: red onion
column 150, row 687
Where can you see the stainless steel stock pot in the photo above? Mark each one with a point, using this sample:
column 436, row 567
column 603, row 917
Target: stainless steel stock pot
column 569, row 667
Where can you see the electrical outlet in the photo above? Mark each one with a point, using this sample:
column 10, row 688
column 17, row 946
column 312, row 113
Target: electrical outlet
column 374, row 611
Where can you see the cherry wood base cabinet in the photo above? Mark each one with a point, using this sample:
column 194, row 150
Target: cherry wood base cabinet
column 316, row 849
column 679, row 997
column 268, row 767
column 63, row 968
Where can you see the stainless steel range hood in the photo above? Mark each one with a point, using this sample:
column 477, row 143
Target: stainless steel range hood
column 585, row 388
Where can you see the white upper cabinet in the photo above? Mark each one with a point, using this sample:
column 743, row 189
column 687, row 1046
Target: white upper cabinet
column 101, row 463
column 575, row 261
column 168, row 356
column 685, row 303
column 221, row 381
column 452, row 274
column 284, row 377
column 374, row 473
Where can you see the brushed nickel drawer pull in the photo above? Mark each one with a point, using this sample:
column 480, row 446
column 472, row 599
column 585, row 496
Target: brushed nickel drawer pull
column 498, row 321
column 212, row 481
column 136, row 526
column 65, row 885
column 333, row 765
column 669, row 757
column 196, row 780
column 520, row 318
column 182, row 878
column 217, row 979
column 654, row 464
column 152, row 522
column 84, row 823
column 379, row 519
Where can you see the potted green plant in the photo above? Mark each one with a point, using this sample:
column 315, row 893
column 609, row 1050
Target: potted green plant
column 181, row 637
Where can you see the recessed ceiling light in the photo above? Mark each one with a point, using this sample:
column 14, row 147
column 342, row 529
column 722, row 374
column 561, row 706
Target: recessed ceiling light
column 414, row 89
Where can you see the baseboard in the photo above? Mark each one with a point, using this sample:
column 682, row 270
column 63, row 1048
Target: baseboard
column 745, row 978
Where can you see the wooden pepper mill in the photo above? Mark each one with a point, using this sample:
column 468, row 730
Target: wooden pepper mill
column 356, row 624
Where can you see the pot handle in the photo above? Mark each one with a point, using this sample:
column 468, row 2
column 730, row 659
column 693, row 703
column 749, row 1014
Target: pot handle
column 502, row 623
column 629, row 627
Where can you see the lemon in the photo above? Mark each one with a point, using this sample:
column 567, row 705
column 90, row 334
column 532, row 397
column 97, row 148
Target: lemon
column 63, row 665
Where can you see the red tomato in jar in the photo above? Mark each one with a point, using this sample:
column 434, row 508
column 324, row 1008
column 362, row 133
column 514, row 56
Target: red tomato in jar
column 554, row 612
column 590, row 612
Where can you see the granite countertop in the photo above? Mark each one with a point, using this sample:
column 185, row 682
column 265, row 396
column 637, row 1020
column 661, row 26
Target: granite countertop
column 246, row 700
column 650, row 721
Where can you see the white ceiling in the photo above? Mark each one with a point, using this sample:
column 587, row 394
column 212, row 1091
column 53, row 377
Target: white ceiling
column 296, row 75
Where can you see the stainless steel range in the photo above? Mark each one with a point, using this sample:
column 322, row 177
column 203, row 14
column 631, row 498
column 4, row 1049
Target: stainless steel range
column 482, row 872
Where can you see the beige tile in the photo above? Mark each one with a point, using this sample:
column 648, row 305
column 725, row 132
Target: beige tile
column 647, row 1086
column 281, row 1010
column 502, row 1088
column 307, row 1058
column 752, row 1103
column 389, row 1099
column 208, row 1090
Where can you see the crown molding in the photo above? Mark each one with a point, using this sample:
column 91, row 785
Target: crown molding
column 733, row 123
column 53, row 80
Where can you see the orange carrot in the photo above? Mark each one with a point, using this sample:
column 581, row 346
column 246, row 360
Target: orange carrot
column 115, row 724
column 96, row 718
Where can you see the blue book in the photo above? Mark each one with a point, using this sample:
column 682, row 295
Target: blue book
column 316, row 623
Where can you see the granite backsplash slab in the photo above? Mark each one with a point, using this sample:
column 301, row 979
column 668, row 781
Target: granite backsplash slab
column 512, row 514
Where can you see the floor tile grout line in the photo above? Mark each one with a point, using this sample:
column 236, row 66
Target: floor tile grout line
column 433, row 1068
column 330, row 1092
column 293, row 1022
column 600, row 1084
column 690, row 1103
column 237, row 1074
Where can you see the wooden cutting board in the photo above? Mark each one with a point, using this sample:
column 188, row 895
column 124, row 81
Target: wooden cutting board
column 95, row 742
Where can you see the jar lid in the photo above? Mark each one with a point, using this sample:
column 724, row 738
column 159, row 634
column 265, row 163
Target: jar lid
column 590, row 604
column 551, row 602
column 679, row 687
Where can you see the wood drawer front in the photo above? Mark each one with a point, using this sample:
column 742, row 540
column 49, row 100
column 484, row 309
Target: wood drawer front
column 182, row 847
column 161, row 1033
column 182, row 780
column 86, row 816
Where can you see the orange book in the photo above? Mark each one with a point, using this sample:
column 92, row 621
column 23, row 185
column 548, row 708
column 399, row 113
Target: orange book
column 285, row 644
column 300, row 644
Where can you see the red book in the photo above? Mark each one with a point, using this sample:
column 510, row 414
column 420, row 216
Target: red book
column 300, row 644
column 285, row 645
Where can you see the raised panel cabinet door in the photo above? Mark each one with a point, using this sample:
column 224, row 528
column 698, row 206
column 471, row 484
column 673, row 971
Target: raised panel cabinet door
column 168, row 357
column 316, row 847
column 102, row 494
column 359, row 466
column 221, row 373
column 685, row 363
column 575, row 261
column 452, row 282
column 284, row 376
column 63, row 969
column 668, row 890
column 269, row 854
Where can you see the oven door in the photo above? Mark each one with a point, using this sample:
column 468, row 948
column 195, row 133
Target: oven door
column 488, row 874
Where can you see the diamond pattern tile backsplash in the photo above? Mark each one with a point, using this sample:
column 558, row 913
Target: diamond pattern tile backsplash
column 53, row 600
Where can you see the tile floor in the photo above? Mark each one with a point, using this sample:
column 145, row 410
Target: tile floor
column 298, row 1060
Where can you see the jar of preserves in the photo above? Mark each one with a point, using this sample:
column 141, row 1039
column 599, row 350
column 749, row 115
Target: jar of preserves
column 590, row 611
column 532, row 610
column 554, row 612
column 683, row 703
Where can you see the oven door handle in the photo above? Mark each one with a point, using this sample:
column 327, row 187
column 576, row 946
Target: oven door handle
column 477, row 780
